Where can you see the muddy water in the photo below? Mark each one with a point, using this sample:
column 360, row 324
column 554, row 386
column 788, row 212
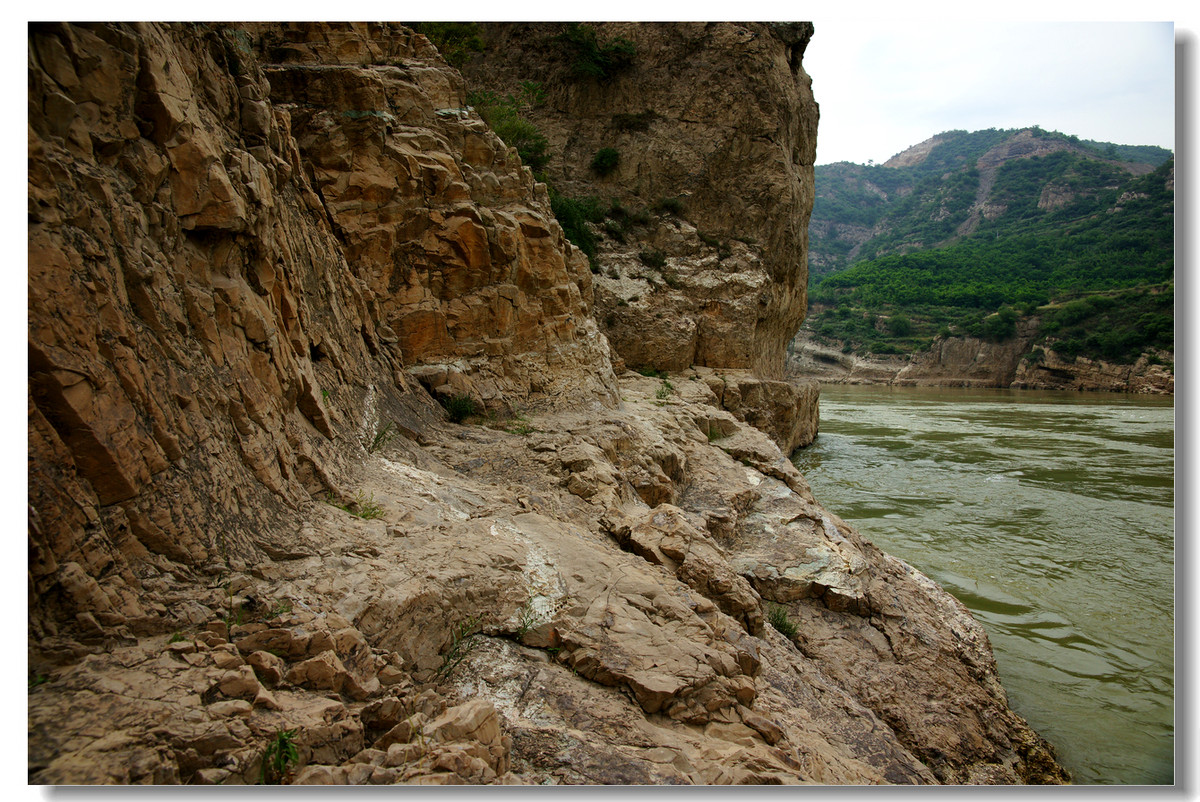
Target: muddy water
column 1051, row 516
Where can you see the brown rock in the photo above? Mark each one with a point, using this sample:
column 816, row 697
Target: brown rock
column 237, row 707
column 323, row 672
column 476, row 720
column 234, row 280
column 719, row 150
column 268, row 667
column 239, row 683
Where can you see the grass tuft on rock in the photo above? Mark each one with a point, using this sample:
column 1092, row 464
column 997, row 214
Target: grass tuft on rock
column 779, row 618
column 460, row 407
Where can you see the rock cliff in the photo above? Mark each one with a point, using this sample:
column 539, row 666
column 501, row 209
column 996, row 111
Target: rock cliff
column 974, row 362
column 259, row 549
column 714, row 129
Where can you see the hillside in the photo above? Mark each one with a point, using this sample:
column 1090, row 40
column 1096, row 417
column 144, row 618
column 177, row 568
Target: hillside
column 968, row 234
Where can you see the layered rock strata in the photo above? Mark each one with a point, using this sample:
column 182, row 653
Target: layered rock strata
column 260, row 553
column 973, row 362
column 206, row 298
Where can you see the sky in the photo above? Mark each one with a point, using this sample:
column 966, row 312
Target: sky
column 885, row 84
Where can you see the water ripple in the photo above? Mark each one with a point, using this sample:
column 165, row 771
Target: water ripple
column 1051, row 516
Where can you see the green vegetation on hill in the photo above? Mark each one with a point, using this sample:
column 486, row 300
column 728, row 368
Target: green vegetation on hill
column 591, row 58
column 506, row 116
column 958, row 149
column 456, row 41
column 931, row 213
column 1138, row 154
column 1068, row 230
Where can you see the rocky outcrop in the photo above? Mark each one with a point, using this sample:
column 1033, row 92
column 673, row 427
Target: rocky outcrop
column 973, row 362
column 213, row 292
column 578, row 599
column 465, row 263
column 259, row 551
column 1152, row 373
column 786, row 411
column 715, row 127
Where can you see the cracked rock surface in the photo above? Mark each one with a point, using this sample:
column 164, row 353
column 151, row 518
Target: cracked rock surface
column 602, row 639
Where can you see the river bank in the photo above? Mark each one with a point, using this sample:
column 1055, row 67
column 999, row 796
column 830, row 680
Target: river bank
column 973, row 362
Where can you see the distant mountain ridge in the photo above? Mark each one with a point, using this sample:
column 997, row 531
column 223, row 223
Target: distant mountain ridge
column 982, row 233
column 932, row 182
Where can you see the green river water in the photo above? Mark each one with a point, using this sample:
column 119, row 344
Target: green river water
column 1051, row 516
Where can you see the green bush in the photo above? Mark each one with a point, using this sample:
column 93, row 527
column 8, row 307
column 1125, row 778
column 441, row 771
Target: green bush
column 279, row 757
column 900, row 325
column 605, row 161
column 615, row 230
column 670, row 206
column 591, row 58
column 459, row 408
column 361, row 507
column 519, row 133
column 456, row 41
column 1000, row 326
column 382, row 437
column 573, row 215
column 463, row 640
column 504, row 116
column 652, row 258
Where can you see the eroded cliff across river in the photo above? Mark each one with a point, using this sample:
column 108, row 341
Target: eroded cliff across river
column 974, row 362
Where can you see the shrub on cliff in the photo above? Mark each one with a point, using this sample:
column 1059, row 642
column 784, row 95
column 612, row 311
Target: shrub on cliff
column 592, row 59
column 899, row 325
column 779, row 618
column 1000, row 326
column 605, row 161
column 504, row 116
column 670, row 206
column 456, row 41
column 573, row 215
column 652, row 258
column 459, row 408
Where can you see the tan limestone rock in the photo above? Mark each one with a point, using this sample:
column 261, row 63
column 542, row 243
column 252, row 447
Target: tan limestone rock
column 323, row 672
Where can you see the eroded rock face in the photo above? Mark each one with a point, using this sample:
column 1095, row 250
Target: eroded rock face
column 258, row 550
column 469, row 271
column 717, row 116
column 972, row 362
column 1052, row 371
column 224, row 307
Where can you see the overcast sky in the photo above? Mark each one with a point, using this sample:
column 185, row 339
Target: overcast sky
column 884, row 85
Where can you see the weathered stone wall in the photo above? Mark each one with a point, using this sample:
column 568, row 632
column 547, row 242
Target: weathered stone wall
column 719, row 116
column 224, row 308
column 471, row 274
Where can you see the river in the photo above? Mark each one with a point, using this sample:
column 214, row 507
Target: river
column 1051, row 516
